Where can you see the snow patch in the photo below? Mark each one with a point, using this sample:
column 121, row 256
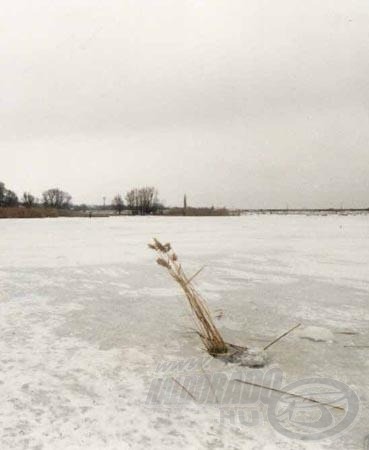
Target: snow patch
column 251, row 357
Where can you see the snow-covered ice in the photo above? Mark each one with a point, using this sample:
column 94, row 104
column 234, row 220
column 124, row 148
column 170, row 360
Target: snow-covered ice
column 86, row 317
column 316, row 334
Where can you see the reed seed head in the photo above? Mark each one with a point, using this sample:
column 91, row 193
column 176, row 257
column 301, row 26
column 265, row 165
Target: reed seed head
column 159, row 246
column 174, row 257
column 163, row 263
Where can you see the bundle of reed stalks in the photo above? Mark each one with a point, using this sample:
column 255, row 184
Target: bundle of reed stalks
column 206, row 329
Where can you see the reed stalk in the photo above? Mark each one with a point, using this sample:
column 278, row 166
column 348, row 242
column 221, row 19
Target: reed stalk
column 206, row 329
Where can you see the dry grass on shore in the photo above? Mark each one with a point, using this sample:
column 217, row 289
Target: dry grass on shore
column 40, row 212
column 27, row 213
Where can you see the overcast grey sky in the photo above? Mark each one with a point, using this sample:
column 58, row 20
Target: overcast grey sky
column 241, row 103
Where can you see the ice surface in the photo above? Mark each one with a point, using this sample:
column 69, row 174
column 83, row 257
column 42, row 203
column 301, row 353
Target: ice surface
column 87, row 318
column 316, row 334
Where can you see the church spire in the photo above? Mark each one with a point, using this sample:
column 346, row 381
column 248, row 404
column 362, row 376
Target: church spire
column 184, row 204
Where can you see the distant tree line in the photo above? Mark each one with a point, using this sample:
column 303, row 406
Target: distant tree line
column 56, row 202
column 138, row 201
column 52, row 198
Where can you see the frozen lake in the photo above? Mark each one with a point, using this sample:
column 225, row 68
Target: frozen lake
column 86, row 317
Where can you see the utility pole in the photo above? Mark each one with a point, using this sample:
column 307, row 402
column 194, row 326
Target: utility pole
column 104, row 201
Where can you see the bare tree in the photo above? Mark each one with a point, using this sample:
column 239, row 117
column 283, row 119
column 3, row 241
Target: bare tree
column 29, row 200
column 118, row 204
column 2, row 194
column 142, row 201
column 148, row 197
column 10, row 198
column 131, row 199
column 55, row 198
column 7, row 197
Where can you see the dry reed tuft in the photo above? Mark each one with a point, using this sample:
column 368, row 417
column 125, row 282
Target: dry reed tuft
column 206, row 329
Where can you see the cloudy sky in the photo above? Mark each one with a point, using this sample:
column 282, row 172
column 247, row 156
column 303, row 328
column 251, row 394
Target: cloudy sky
column 242, row 103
